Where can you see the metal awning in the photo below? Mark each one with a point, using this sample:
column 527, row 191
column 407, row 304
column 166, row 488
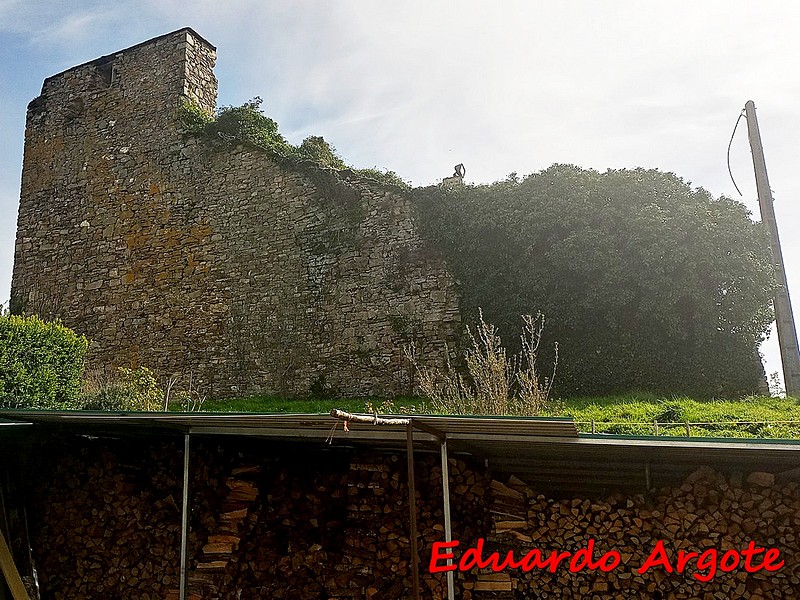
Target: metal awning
column 293, row 425
column 547, row 452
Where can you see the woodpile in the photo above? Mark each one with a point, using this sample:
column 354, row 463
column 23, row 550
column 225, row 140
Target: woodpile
column 267, row 522
column 471, row 520
column 339, row 530
column 109, row 522
column 708, row 511
column 226, row 515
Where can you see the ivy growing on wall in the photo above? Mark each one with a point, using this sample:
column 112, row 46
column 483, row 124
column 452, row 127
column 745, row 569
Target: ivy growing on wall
column 248, row 125
column 314, row 158
column 647, row 283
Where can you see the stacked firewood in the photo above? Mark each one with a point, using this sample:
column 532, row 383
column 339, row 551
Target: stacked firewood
column 707, row 511
column 293, row 541
column 469, row 512
column 218, row 533
column 308, row 525
column 376, row 561
column 106, row 522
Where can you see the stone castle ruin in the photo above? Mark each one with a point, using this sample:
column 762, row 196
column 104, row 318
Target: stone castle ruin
column 224, row 266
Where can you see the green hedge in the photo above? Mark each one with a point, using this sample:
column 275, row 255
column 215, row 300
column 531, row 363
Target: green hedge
column 41, row 363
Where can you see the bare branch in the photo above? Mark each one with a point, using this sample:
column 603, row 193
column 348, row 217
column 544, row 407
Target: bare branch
column 371, row 419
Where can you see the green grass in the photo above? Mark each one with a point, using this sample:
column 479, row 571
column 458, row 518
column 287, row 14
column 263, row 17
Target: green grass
column 272, row 404
column 634, row 414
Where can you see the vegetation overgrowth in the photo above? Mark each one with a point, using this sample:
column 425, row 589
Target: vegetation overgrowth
column 122, row 389
column 646, row 282
column 248, row 125
column 41, row 367
column 490, row 382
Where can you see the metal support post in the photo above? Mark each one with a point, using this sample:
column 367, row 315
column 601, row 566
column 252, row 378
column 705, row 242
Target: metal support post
column 185, row 518
column 412, row 509
column 448, row 534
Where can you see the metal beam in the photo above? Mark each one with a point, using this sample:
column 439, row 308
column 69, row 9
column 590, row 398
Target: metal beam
column 428, row 429
column 412, row 510
column 185, row 518
column 448, row 533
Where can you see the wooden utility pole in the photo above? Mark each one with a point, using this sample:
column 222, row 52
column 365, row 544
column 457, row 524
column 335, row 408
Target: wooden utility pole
column 784, row 319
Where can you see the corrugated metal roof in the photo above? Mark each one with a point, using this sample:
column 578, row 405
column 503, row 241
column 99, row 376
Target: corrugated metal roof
column 548, row 453
column 300, row 425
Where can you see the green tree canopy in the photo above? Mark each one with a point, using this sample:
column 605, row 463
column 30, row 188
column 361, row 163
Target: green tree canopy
column 646, row 282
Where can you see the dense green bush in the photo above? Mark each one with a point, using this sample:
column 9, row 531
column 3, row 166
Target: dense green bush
column 646, row 282
column 125, row 390
column 40, row 363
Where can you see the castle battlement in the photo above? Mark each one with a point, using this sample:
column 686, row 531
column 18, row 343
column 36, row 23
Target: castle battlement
column 158, row 72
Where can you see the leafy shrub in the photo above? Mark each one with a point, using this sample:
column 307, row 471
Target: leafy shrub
column 40, row 363
column 388, row 178
column 317, row 149
column 125, row 390
column 244, row 124
column 194, row 118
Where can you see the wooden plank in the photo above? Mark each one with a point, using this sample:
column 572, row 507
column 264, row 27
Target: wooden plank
column 18, row 591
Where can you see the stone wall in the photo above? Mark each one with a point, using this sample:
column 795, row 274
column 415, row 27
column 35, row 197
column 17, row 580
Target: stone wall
column 217, row 265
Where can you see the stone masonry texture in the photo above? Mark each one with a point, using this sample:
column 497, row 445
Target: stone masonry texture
column 222, row 266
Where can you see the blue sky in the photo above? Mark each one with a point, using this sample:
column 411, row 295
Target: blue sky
column 501, row 86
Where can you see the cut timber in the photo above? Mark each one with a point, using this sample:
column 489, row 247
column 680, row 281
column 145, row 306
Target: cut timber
column 506, row 525
column 10, row 572
column 221, row 544
column 494, row 582
column 369, row 419
column 241, row 491
column 503, row 490
column 246, row 470
column 214, row 565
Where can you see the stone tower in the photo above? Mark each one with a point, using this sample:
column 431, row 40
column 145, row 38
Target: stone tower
column 220, row 266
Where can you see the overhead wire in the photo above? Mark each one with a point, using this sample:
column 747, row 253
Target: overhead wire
column 730, row 143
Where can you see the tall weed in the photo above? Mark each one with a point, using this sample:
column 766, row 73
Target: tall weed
column 491, row 383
